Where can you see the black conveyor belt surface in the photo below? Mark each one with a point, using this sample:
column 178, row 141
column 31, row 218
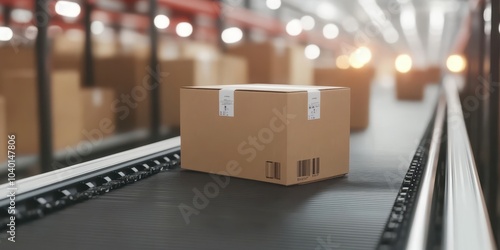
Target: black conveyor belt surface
column 342, row 213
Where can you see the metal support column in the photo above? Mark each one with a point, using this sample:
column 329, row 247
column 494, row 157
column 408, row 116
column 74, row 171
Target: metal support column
column 247, row 30
column 88, row 54
column 494, row 111
column 6, row 15
column 44, row 86
column 154, row 80
column 220, row 26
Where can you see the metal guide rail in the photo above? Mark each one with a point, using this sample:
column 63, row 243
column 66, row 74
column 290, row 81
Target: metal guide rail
column 46, row 193
column 440, row 203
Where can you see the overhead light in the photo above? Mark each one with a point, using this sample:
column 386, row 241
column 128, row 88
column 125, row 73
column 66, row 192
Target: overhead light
column 273, row 4
column 408, row 18
column 184, row 29
column 342, row 62
column 31, row 32
column 363, row 55
column 5, row 34
column 67, row 9
column 455, row 63
column 232, row 35
column 97, row 27
column 350, row 24
column 355, row 62
column 21, row 15
column 326, row 10
column 294, row 27
column 330, row 31
column 307, row 22
column 403, row 63
column 312, row 51
column 161, row 21
column 487, row 13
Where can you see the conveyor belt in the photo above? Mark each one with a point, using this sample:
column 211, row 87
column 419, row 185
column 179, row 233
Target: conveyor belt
column 344, row 213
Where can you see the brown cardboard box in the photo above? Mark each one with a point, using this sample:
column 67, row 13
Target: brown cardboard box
column 433, row 75
column 15, row 58
column 232, row 70
column 275, row 63
column 20, row 91
column 300, row 69
column 359, row 81
column 170, row 50
column 269, row 137
column 183, row 72
column 129, row 77
column 410, row 86
column 97, row 113
column 266, row 61
column 3, row 131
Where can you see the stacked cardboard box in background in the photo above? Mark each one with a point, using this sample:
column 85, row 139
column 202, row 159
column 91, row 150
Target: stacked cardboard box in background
column 3, row 130
column 98, row 118
column 183, row 72
column 359, row 81
column 224, row 69
column 232, row 70
column 275, row 63
column 293, row 138
column 19, row 89
column 411, row 85
column 300, row 69
column 128, row 76
column 433, row 75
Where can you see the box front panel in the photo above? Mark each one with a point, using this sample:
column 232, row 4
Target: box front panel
column 250, row 145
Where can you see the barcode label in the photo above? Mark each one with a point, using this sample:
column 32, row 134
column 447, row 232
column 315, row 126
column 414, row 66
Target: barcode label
column 273, row 170
column 309, row 167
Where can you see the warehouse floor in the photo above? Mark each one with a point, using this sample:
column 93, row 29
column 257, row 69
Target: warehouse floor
column 315, row 216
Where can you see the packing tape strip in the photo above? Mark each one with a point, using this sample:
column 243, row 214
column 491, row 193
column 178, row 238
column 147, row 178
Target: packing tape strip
column 226, row 99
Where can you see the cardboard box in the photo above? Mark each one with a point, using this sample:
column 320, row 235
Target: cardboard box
column 129, row 77
column 359, row 81
column 232, row 70
column 183, row 72
column 275, row 63
column 433, row 75
column 410, row 85
column 3, row 131
column 19, row 89
column 16, row 58
column 300, row 69
column 97, row 114
column 170, row 50
column 273, row 133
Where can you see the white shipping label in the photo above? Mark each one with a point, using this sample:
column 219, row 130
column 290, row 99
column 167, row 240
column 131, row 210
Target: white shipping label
column 226, row 102
column 313, row 104
column 97, row 98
